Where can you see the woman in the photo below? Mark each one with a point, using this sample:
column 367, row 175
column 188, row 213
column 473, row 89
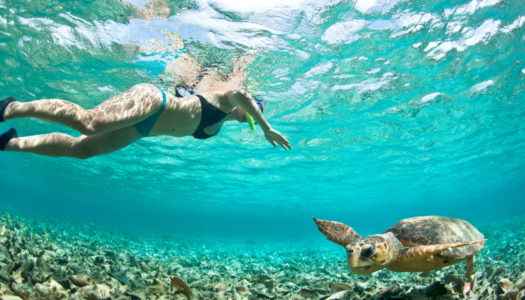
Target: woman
column 143, row 111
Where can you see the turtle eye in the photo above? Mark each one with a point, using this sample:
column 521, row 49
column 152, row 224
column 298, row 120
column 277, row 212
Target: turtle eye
column 350, row 251
column 368, row 251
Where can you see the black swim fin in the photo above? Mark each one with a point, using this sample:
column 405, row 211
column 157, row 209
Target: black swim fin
column 3, row 104
column 6, row 137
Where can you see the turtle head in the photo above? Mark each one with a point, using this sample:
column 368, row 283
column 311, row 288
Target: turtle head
column 372, row 253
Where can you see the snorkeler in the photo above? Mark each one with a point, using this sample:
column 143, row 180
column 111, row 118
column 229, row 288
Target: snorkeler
column 142, row 111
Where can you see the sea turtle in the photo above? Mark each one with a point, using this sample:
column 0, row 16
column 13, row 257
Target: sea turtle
column 418, row 244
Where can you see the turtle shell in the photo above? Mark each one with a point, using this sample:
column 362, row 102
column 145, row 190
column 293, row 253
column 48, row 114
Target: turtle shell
column 438, row 230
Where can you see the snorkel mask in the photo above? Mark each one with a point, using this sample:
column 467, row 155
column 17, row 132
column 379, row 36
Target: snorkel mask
column 249, row 118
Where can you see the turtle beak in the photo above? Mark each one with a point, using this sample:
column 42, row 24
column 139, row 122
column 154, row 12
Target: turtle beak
column 354, row 259
column 357, row 263
column 358, row 270
column 352, row 263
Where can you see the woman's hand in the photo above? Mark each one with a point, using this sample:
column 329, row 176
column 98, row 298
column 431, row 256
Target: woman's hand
column 275, row 137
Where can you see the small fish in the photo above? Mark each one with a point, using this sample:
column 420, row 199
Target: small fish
column 307, row 293
column 467, row 288
column 386, row 290
column 499, row 271
column 450, row 278
column 425, row 274
column 220, row 287
column 341, row 286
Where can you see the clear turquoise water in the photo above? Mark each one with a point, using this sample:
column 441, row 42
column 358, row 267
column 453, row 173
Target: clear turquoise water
column 394, row 109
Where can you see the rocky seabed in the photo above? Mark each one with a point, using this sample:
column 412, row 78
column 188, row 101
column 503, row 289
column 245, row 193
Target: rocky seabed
column 43, row 259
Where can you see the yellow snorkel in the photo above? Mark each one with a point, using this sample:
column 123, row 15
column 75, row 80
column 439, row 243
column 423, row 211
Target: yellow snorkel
column 250, row 121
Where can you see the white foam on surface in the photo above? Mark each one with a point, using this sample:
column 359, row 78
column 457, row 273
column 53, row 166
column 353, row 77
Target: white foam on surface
column 375, row 6
column 518, row 23
column 343, row 76
column 454, row 26
column 301, row 54
column 343, row 32
column 483, row 33
column 370, row 84
column 382, row 25
column 481, row 86
column 321, row 69
column 208, row 25
column 280, row 71
column 298, row 88
column 429, row 97
column 106, row 88
column 471, row 7
column 256, row 6
column 408, row 19
column 431, row 45
column 440, row 52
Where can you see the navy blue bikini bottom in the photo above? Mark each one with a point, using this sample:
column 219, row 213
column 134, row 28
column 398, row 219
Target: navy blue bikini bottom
column 146, row 125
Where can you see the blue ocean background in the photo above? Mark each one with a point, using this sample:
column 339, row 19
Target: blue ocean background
column 394, row 108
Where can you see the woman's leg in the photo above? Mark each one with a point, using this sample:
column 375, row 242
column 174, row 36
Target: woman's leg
column 126, row 109
column 82, row 147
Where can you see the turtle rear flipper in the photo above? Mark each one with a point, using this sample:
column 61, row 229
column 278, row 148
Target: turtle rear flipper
column 336, row 232
column 470, row 265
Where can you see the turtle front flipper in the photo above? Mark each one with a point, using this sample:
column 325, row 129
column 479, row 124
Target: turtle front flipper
column 426, row 251
column 336, row 232
column 421, row 258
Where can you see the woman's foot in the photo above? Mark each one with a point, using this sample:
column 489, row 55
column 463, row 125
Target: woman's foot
column 6, row 137
column 3, row 105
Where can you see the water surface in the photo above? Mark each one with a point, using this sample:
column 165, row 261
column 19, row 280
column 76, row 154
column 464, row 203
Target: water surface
column 394, row 109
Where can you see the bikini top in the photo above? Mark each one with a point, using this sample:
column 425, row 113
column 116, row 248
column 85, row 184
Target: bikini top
column 210, row 115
